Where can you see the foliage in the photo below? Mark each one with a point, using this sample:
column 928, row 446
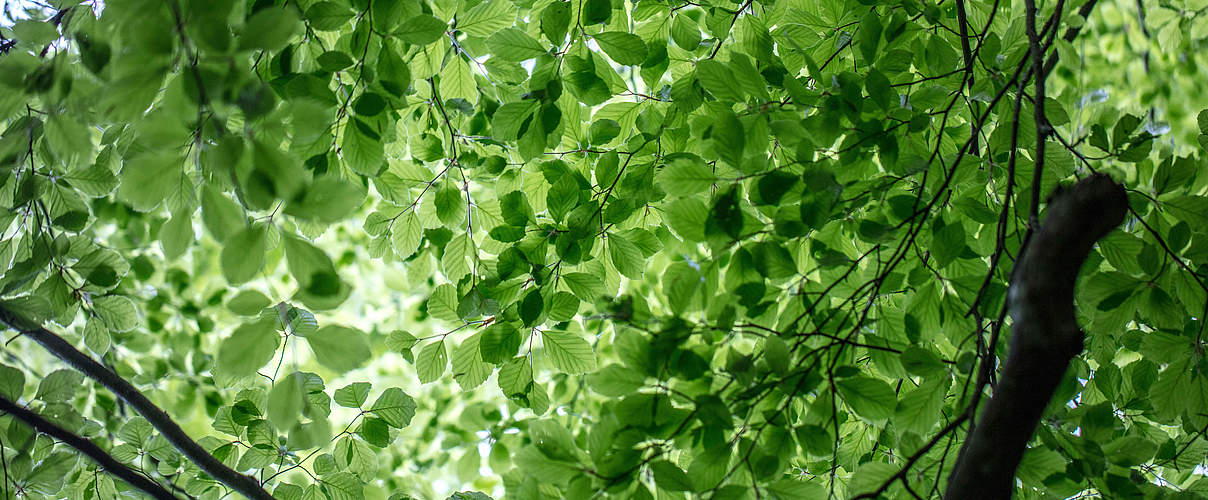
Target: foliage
column 545, row 248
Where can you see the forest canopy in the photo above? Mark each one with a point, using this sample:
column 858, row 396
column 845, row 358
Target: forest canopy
column 473, row 249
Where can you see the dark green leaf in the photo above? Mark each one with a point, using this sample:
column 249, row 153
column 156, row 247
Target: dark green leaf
column 328, row 16
column 421, row 30
column 624, row 48
column 555, row 18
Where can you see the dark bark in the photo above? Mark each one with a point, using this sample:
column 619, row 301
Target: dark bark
column 1045, row 336
column 111, row 465
column 244, row 484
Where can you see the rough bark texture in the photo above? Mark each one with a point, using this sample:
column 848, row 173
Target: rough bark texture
column 1044, row 339
column 105, row 460
column 246, row 485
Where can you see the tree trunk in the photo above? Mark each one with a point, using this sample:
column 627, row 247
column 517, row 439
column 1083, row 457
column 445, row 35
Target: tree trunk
column 1044, row 339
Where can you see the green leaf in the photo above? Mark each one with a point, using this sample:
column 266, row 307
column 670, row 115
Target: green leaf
column 469, row 370
column 486, row 18
column 450, row 206
column 328, row 199
column 148, row 179
column 453, row 261
column 339, row 348
column 947, row 243
column 362, row 147
column 515, row 209
column 421, row 30
column 468, row 495
column 328, row 16
column 918, row 410
column 248, row 303
column 685, row 32
column 498, row 343
column 728, row 138
column 776, row 351
column 717, row 78
column 343, row 486
column 562, row 197
column 369, row 104
column 222, row 217
column 375, row 432
column 686, row 217
column 568, row 352
column 773, row 261
column 596, row 12
column 35, row 32
column 352, row 395
column 531, row 307
column 71, row 140
column 516, row 376
column 431, row 362
column 59, row 386
column 286, row 400
column 685, row 177
column 615, row 381
column 401, row 341
column 879, row 90
column 870, row 398
column 587, row 287
column 680, row 282
column 49, row 474
column 94, row 180
column 443, row 303
column 12, row 383
column 1190, row 208
column 394, row 407
column 869, row 35
column 555, row 18
column 1129, row 450
column 456, row 81
column 312, row 268
column 603, row 131
column 510, row 117
column 512, row 44
column 625, row 256
column 921, row 362
column 269, row 29
column 624, row 48
column 247, row 349
column 117, row 312
column 796, row 489
column 708, row 469
column 406, row 234
column 670, row 477
column 243, row 254
column 355, row 456
column 562, row 306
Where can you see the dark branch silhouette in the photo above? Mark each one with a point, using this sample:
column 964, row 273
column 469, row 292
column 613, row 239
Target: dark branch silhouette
column 244, row 484
column 86, row 447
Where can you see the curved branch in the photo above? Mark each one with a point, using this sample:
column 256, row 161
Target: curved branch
column 1045, row 336
column 86, row 447
column 244, row 484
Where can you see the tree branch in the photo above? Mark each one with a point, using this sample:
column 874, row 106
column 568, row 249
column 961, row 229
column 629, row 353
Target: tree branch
column 1045, row 336
column 244, row 484
column 86, row 447
column 1042, row 123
